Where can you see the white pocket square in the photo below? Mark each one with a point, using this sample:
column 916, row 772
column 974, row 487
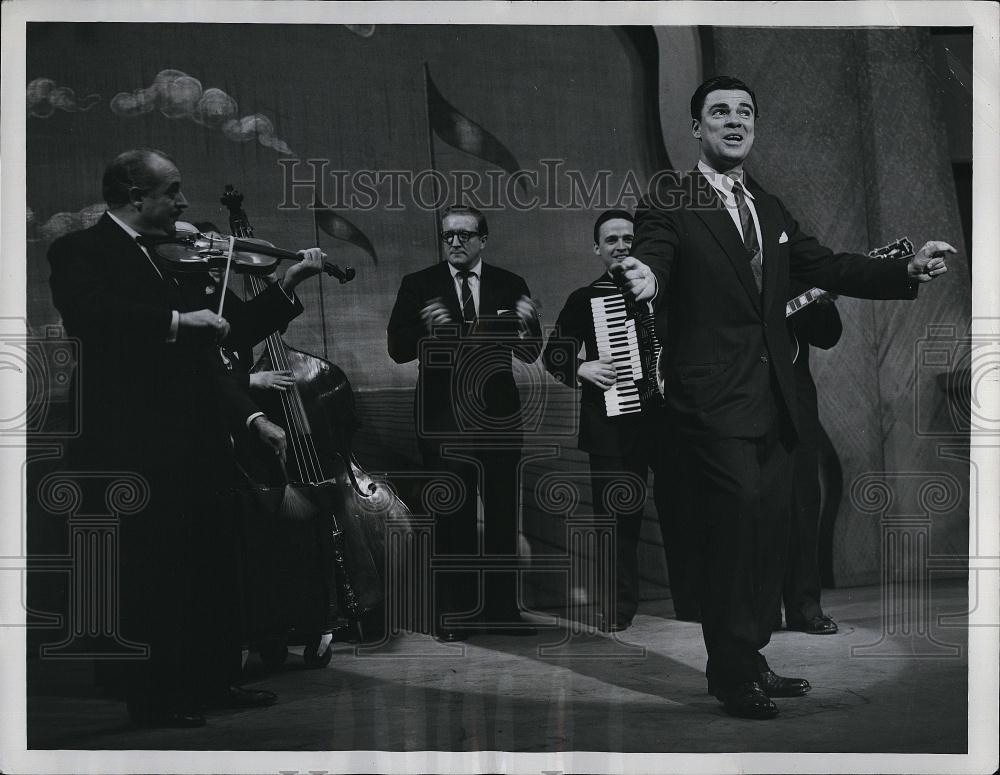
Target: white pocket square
column 783, row 238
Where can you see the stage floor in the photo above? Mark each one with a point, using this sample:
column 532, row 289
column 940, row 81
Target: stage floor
column 875, row 689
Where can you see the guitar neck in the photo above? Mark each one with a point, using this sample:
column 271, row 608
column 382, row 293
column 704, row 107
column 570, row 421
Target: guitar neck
column 899, row 249
column 802, row 300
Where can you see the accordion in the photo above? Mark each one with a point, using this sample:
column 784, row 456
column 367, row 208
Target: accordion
column 625, row 331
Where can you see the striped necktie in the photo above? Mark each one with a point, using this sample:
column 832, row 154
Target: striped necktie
column 468, row 302
column 749, row 235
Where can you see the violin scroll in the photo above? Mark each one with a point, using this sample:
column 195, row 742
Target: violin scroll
column 344, row 275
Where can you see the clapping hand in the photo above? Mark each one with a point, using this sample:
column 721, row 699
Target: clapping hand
column 435, row 313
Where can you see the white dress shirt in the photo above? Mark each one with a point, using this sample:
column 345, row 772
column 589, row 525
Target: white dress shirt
column 723, row 185
column 474, row 280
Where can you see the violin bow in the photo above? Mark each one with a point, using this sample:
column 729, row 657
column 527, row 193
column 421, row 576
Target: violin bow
column 225, row 274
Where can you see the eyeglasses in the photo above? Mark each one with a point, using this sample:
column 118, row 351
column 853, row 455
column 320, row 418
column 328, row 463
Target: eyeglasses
column 463, row 236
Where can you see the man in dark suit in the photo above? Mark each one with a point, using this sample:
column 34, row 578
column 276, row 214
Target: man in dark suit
column 463, row 319
column 157, row 400
column 817, row 325
column 620, row 445
column 717, row 256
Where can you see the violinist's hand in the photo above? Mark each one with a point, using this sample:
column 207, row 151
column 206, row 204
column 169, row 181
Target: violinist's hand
column 600, row 373
column 310, row 264
column 272, row 380
column 639, row 278
column 272, row 436
column 202, row 325
column 435, row 314
column 929, row 261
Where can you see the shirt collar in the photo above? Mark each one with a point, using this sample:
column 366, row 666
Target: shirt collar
column 128, row 229
column 722, row 182
column 477, row 270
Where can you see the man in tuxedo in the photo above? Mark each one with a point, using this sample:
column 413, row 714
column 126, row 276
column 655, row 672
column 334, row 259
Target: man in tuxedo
column 463, row 319
column 157, row 400
column 717, row 256
column 622, row 445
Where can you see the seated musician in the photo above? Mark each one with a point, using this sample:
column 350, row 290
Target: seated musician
column 157, row 401
column 618, row 445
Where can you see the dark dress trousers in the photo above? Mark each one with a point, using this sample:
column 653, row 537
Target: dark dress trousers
column 817, row 325
column 617, row 446
column 467, row 412
column 162, row 410
column 730, row 391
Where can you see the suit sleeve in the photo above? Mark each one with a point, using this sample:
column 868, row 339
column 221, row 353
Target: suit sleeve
column 818, row 324
column 529, row 347
column 253, row 320
column 234, row 401
column 848, row 274
column 405, row 328
column 656, row 240
column 569, row 334
column 87, row 303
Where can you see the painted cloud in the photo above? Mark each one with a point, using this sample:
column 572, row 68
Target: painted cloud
column 45, row 98
column 177, row 95
column 63, row 223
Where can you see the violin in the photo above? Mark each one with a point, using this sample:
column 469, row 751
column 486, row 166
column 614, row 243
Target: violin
column 190, row 250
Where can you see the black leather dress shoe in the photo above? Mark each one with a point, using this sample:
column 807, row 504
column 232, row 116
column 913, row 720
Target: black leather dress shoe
column 619, row 625
column 747, row 700
column 451, row 635
column 775, row 685
column 238, row 697
column 818, row 625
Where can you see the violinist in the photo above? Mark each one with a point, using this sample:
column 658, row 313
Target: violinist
column 156, row 399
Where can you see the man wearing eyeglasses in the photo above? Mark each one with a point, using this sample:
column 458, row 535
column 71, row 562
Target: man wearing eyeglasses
column 463, row 319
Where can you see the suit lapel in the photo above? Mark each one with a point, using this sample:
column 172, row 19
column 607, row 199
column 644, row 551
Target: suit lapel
column 720, row 224
column 489, row 294
column 446, row 290
column 134, row 262
column 770, row 227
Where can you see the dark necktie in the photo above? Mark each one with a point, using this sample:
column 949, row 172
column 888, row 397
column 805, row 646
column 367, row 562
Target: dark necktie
column 749, row 235
column 468, row 302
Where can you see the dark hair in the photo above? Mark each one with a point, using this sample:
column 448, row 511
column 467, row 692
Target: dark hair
column 610, row 215
column 715, row 84
column 128, row 170
column 481, row 226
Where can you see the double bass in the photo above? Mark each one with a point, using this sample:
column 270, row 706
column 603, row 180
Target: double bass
column 321, row 485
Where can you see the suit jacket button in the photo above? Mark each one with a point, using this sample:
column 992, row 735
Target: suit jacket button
column 763, row 359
